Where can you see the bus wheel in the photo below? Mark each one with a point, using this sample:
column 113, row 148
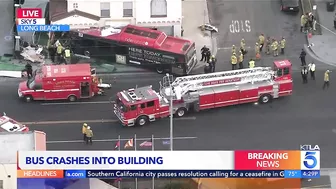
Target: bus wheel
column 265, row 98
column 159, row 70
column 72, row 98
column 28, row 98
column 142, row 121
column 181, row 112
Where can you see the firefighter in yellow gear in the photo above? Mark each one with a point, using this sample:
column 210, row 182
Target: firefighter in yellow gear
column 89, row 135
column 251, row 63
column 326, row 80
column 283, row 45
column 67, row 55
column 234, row 61
column 257, row 50
column 268, row 45
column 261, row 41
column 242, row 46
column 233, row 49
column 274, row 46
column 241, row 60
column 59, row 51
column 84, row 128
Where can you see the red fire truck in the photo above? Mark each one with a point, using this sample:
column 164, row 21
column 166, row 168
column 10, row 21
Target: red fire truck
column 136, row 45
column 57, row 82
column 199, row 92
column 8, row 124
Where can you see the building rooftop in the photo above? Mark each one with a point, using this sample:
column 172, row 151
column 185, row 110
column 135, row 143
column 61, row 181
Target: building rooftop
column 140, row 36
column 66, row 70
column 11, row 143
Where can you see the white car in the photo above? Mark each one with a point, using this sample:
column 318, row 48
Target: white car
column 208, row 27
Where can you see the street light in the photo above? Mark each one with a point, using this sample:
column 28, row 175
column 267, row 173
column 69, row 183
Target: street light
column 171, row 111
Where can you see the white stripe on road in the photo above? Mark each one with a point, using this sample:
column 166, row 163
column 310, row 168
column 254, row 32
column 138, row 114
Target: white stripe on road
column 115, row 140
column 76, row 103
column 88, row 121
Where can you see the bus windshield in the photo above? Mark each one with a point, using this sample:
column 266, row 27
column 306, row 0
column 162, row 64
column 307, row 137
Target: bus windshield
column 120, row 105
column 191, row 52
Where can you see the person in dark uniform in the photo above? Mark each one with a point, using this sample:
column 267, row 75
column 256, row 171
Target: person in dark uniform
column 207, row 68
column 204, row 50
column 29, row 70
column 303, row 57
column 304, row 73
column 213, row 63
column 207, row 56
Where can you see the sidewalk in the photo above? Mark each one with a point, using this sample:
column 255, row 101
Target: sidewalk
column 195, row 13
column 324, row 46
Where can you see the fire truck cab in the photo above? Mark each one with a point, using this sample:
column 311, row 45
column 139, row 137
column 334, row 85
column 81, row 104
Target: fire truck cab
column 57, row 82
column 8, row 124
column 206, row 91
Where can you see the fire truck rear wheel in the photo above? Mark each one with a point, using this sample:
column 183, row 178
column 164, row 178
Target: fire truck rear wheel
column 181, row 112
column 142, row 121
column 265, row 98
column 72, row 98
column 28, row 98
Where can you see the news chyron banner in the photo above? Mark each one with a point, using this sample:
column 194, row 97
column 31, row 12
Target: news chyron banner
column 32, row 20
column 169, row 164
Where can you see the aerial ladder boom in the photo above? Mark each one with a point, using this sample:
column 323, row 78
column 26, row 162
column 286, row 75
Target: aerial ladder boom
column 182, row 85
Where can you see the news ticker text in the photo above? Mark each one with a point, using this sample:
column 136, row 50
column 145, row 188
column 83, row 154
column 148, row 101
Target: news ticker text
column 76, row 174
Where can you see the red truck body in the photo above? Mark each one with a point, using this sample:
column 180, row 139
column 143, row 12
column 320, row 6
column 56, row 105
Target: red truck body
column 8, row 124
column 58, row 82
column 199, row 92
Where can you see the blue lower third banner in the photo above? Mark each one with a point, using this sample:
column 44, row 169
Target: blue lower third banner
column 74, row 174
column 43, row 28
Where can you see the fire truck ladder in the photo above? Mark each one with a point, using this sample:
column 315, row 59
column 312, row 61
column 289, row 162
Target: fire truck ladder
column 182, row 85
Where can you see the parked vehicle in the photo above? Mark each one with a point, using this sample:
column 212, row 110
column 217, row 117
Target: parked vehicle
column 199, row 92
column 290, row 5
column 57, row 82
column 8, row 124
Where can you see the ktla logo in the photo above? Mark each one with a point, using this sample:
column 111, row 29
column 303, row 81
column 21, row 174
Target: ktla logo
column 310, row 160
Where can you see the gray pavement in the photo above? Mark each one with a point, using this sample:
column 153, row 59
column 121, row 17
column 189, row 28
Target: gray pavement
column 305, row 117
column 248, row 19
column 192, row 19
column 6, row 32
column 324, row 46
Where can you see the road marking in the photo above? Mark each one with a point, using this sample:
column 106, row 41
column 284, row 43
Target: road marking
column 88, row 121
column 76, row 103
column 334, row 131
column 115, row 140
column 240, row 26
column 228, row 48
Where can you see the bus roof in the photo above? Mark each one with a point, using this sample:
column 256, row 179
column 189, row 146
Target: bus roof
column 141, row 36
column 66, row 70
column 282, row 63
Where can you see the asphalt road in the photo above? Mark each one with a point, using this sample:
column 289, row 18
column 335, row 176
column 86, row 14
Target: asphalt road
column 306, row 117
column 248, row 19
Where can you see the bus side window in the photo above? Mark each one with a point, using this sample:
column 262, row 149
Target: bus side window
column 279, row 72
column 286, row 71
column 143, row 106
column 133, row 107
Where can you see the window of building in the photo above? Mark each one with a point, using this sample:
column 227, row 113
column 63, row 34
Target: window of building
column 150, row 104
column 105, row 10
column 143, row 106
column 75, row 5
column 128, row 9
column 158, row 8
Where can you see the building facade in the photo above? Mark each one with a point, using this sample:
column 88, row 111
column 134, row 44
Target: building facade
column 165, row 15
